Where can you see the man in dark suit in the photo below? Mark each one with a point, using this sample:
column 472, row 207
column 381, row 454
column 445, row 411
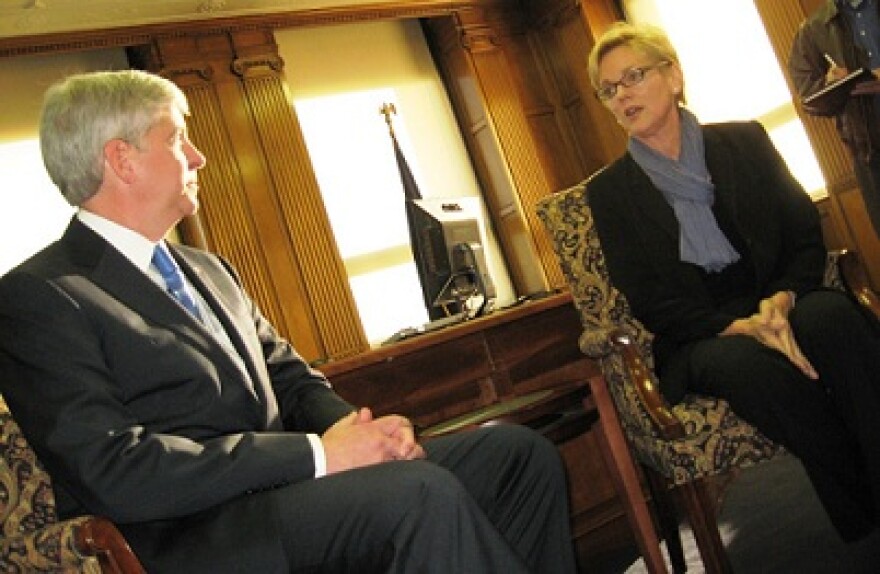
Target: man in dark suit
column 156, row 393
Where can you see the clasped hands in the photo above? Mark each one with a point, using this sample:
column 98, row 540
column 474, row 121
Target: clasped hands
column 770, row 327
column 359, row 439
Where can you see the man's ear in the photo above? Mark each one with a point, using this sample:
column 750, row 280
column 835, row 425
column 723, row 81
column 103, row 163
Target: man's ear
column 117, row 156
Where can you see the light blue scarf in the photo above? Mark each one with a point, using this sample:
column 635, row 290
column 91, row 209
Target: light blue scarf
column 687, row 186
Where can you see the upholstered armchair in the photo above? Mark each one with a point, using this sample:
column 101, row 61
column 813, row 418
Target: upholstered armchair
column 33, row 539
column 688, row 448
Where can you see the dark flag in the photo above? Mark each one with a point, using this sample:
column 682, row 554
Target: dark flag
column 410, row 187
column 419, row 235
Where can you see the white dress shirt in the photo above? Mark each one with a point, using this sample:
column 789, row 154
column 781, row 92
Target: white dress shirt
column 139, row 250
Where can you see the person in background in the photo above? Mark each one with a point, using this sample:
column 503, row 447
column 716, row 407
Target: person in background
column 156, row 393
column 840, row 37
column 719, row 252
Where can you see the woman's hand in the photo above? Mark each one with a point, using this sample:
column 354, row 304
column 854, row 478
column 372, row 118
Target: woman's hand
column 770, row 327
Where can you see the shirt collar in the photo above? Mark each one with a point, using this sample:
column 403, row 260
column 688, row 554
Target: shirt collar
column 134, row 246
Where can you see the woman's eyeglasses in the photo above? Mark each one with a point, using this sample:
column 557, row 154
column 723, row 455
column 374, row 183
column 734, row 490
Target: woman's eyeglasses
column 630, row 78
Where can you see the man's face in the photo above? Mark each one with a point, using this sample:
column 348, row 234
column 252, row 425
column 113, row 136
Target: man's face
column 167, row 165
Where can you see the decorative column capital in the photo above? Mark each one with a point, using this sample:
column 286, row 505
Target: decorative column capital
column 248, row 66
column 477, row 40
column 203, row 72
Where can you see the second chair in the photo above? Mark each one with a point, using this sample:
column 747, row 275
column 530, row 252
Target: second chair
column 682, row 447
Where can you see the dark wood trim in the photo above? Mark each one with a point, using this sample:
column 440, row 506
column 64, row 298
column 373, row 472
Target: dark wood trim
column 121, row 37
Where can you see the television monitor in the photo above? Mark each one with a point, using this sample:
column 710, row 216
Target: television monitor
column 448, row 249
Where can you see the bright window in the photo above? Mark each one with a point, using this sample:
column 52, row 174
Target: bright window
column 339, row 78
column 35, row 213
column 364, row 198
column 731, row 72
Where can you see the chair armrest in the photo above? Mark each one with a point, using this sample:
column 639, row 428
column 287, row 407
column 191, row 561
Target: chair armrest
column 596, row 342
column 645, row 383
column 855, row 279
column 100, row 538
column 48, row 548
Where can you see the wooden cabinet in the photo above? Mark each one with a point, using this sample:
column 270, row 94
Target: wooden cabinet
column 510, row 354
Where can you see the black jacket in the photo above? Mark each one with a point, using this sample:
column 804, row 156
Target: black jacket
column 138, row 412
column 774, row 216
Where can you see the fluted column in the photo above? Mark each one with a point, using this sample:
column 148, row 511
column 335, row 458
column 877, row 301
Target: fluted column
column 302, row 207
column 260, row 203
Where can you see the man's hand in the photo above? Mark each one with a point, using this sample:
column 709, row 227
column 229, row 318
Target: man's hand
column 863, row 88
column 835, row 73
column 401, row 430
column 770, row 327
column 359, row 440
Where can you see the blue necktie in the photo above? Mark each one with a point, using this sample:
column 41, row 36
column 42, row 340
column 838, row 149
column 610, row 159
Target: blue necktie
column 174, row 280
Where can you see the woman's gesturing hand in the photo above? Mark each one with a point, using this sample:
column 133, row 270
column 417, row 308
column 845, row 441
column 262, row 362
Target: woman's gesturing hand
column 770, row 326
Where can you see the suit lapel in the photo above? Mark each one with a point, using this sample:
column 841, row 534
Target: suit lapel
column 248, row 348
column 107, row 268
column 251, row 354
column 114, row 273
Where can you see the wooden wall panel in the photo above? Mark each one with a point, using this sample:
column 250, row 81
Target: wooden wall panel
column 481, row 140
column 518, row 83
column 565, row 41
column 508, row 115
column 317, row 260
column 490, row 112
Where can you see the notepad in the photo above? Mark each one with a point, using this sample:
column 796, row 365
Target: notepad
column 834, row 89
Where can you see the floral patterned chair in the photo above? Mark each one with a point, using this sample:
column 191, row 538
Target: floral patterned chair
column 684, row 447
column 33, row 539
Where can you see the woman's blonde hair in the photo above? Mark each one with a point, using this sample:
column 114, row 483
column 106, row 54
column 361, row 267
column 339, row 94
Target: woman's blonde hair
column 650, row 40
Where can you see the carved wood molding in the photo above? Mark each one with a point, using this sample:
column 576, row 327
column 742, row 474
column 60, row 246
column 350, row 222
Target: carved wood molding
column 205, row 72
column 209, row 23
column 552, row 13
column 482, row 40
column 244, row 66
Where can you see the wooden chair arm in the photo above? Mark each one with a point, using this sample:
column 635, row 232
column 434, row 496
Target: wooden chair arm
column 646, row 386
column 596, row 343
column 100, row 538
column 855, row 278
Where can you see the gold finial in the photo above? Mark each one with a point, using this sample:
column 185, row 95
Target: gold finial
column 387, row 110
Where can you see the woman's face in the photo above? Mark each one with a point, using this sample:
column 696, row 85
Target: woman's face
column 648, row 104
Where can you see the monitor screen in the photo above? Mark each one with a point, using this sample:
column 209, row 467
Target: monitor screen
column 447, row 243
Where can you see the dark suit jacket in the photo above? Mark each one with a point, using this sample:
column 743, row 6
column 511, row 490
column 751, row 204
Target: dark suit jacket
column 777, row 221
column 136, row 410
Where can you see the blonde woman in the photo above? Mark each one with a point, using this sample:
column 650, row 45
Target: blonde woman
column 719, row 252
